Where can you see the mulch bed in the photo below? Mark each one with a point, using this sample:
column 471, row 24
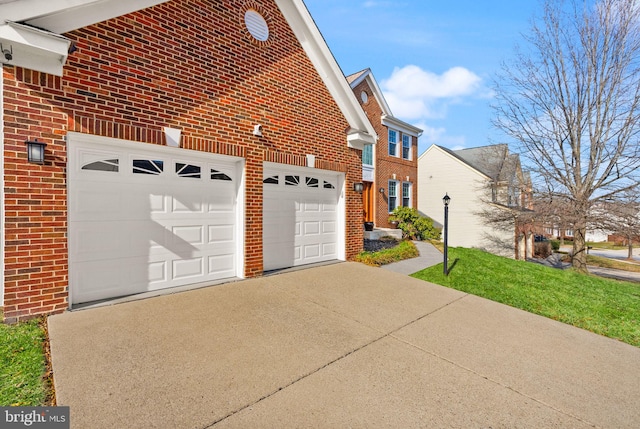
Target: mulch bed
column 376, row 245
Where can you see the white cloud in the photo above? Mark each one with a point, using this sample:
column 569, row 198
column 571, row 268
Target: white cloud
column 422, row 97
column 412, row 82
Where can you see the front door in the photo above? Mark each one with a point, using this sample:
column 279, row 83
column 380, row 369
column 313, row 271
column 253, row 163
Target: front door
column 367, row 202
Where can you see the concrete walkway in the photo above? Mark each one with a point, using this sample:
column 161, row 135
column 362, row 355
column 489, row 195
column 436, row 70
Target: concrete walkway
column 342, row 345
column 429, row 256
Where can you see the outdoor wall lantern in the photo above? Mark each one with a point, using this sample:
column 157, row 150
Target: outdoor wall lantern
column 446, row 200
column 35, row 151
column 381, row 190
column 358, row 187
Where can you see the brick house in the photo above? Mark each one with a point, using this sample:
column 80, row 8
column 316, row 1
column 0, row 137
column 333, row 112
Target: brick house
column 188, row 142
column 389, row 169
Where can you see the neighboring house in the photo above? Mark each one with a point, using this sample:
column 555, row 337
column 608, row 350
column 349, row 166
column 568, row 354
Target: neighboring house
column 389, row 169
column 187, row 142
column 490, row 197
column 593, row 235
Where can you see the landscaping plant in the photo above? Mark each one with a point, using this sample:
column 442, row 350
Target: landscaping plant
column 414, row 226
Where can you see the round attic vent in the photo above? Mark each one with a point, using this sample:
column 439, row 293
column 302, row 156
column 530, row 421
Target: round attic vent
column 364, row 97
column 256, row 25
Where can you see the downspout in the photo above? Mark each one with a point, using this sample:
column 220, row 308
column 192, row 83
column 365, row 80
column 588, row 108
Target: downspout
column 2, row 242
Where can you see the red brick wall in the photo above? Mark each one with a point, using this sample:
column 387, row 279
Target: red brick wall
column 387, row 166
column 186, row 64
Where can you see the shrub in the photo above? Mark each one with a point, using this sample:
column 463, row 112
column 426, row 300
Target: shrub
column 555, row 245
column 542, row 249
column 404, row 250
column 413, row 225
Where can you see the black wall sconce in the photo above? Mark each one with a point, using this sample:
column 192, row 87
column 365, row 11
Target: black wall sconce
column 358, row 187
column 35, row 151
column 381, row 190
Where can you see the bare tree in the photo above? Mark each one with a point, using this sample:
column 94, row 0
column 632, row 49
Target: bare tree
column 571, row 103
column 620, row 217
column 555, row 212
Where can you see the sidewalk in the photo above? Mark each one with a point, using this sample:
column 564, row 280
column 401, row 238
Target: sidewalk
column 555, row 261
column 429, row 256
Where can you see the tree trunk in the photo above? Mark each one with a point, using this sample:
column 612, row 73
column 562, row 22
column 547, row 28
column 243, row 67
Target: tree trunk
column 579, row 260
column 630, row 247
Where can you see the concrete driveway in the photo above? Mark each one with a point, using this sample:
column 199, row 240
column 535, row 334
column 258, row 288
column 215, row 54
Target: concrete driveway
column 342, row 345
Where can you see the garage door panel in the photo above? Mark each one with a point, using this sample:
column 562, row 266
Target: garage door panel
column 106, row 278
column 312, row 251
column 312, row 228
column 139, row 232
column 281, row 253
column 221, row 264
column 191, row 235
column 186, row 207
column 300, row 217
column 188, row 268
column 95, row 240
column 329, row 227
column 312, row 207
column 88, row 204
column 329, row 249
column 221, row 234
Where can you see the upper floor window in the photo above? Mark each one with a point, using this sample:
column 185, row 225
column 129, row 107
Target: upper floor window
column 406, row 194
column 367, row 155
column 393, row 143
column 406, row 146
column 392, row 195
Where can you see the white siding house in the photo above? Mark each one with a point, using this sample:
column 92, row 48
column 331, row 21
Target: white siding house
column 467, row 177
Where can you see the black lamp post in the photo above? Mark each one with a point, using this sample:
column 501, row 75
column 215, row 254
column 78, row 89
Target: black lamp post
column 446, row 200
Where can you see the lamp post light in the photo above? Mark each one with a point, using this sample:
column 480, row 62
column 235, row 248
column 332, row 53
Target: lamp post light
column 446, row 200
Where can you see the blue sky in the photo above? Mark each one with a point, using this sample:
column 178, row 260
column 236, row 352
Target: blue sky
column 433, row 59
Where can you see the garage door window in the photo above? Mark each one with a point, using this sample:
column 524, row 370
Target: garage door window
column 105, row 165
column 145, row 166
column 312, row 182
column 271, row 180
column 219, row 175
column 187, row 170
column 329, row 185
column 291, row 180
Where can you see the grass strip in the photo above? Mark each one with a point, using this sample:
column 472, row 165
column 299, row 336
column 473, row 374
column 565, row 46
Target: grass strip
column 23, row 364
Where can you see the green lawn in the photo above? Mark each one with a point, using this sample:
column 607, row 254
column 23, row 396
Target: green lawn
column 22, row 364
column 607, row 307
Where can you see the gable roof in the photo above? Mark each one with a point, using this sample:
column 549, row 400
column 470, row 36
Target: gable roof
column 387, row 117
column 489, row 160
column 493, row 161
column 33, row 29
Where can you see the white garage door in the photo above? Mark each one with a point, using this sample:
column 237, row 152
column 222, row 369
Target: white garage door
column 145, row 217
column 303, row 216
